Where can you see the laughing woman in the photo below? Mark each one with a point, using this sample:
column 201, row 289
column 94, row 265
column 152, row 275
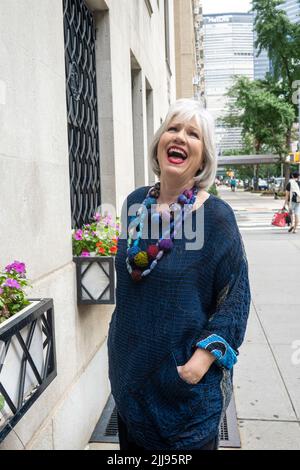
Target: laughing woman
column 181, row 312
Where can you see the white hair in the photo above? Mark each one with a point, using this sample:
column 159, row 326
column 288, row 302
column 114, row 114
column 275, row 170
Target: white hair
column 186, row 110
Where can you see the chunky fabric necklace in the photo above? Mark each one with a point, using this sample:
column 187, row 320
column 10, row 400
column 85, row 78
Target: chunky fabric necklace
column 140, row 263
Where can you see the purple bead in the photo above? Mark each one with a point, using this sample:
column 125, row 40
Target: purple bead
column 166, row 245
column 182, row 199
column 188, row 193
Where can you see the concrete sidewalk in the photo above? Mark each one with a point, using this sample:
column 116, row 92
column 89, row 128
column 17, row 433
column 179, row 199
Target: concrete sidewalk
column 267, row 375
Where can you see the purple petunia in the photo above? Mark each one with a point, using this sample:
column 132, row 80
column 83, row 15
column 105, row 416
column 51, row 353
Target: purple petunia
column 78, row 235
column 97, row 217
column 17, row 266
column 85, row 253
column 11, row 283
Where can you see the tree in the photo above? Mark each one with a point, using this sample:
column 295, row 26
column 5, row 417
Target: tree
column 260, row 114
column 281, row 39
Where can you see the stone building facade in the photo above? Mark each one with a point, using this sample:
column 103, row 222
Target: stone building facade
column 135, row 83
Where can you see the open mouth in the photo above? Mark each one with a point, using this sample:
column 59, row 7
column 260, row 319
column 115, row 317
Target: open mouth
column 176, row 155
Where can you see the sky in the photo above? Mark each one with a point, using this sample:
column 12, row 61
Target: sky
column 226, row 6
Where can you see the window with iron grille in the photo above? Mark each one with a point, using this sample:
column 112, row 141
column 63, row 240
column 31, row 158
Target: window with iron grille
column 81, row 95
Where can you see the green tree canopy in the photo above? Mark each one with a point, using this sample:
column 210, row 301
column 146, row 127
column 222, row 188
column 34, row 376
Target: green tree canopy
column 281, row 39
column 260, row 114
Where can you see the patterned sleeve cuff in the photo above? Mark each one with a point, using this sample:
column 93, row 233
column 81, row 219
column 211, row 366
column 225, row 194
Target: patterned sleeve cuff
column 216, row 345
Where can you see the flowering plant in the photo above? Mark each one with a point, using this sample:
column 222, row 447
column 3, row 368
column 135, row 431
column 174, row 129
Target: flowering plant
column 100, row 238
column 12, row 296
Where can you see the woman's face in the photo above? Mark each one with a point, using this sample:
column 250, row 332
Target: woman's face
column 180, row 150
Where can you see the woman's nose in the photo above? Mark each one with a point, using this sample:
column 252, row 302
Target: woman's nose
column 180, row 136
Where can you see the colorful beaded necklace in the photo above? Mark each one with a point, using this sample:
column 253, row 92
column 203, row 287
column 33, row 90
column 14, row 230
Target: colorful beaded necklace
column 140, row 263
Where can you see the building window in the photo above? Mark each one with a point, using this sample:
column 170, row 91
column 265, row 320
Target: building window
column 81, row 95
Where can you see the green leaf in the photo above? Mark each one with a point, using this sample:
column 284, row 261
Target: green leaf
column 2, row 402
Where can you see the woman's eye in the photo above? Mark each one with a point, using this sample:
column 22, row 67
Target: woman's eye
column 172, row 129
column 195, row 134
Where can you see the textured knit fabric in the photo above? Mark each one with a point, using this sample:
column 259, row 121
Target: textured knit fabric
column 157, row 323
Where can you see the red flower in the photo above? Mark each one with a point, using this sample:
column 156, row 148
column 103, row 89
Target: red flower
column 101, row 250
column 113, row 249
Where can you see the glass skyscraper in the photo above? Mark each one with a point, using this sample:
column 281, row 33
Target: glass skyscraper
column 228, row 51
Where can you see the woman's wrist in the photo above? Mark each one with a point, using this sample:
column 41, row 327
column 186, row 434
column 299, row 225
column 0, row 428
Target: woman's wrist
column 197, row 366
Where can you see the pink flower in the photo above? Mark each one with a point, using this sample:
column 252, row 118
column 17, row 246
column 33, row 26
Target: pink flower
column 97, row 217
column 78, row 235
column 16, row 266
column 12, row 283
column 85, row 253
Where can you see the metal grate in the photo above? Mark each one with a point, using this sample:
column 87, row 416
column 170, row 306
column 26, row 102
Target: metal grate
column 112, row 427
column 107, row 427
column 224, row 436
column 81, row 95
column 229, row 431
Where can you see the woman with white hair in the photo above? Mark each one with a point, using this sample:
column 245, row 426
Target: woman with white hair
column 181, row 310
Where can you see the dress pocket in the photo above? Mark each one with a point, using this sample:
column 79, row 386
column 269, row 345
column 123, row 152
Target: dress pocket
column 167, row 401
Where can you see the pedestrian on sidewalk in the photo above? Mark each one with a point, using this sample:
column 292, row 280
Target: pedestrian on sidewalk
column 233, row 183
column 292, row 200
column 180, row 313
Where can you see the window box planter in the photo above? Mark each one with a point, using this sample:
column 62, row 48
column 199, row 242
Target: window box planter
column 95, row 279
column 27, row 360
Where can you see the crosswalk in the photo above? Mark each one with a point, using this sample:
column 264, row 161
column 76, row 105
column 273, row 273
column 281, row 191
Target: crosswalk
column 253, row 220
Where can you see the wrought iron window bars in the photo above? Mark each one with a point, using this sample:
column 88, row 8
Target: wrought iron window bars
column 81, row 96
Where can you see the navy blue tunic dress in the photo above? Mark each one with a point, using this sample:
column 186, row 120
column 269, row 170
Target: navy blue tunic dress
column 193, row 298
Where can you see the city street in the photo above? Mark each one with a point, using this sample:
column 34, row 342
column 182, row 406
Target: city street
column 267, row 375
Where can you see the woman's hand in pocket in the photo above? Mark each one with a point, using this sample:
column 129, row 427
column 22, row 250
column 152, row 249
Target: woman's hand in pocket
column 196, row 367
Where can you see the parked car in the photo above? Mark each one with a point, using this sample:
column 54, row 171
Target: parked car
column 262, row 184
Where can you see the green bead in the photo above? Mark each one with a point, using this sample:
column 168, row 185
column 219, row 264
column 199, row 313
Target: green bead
column 141, row 259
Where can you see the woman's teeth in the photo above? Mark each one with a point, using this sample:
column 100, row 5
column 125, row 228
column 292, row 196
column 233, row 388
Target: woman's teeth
column 176, row 156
